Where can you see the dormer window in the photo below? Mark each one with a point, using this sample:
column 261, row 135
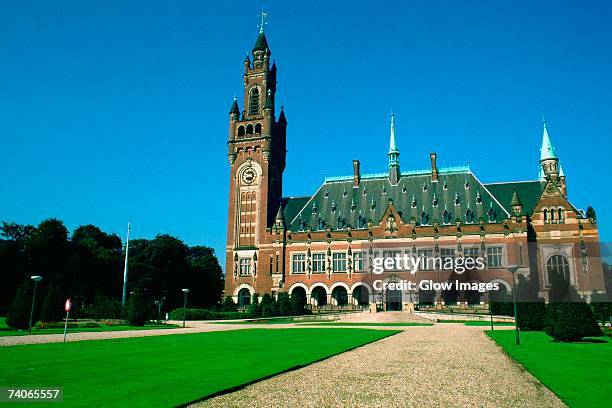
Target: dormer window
column 434, row 202
column 321, row 224
column 361, row 222
column 352, row 205
column 445, row 186
column 456, row 200
column 254, row 101
column 466, row 184
column 492, row 214
column 314, row 208
column 414, row 203
column 478, row 198
column 326, row 194
column 424, row 218
column 446, row 217
column 469, row 216
column 333, row 207
column 404, row 189
column 424, row 187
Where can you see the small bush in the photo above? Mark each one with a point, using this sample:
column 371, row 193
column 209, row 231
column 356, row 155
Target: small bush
column 267, row 306
column 229, row 305
column 284, row 304
column 55, row 325
column 254, row 310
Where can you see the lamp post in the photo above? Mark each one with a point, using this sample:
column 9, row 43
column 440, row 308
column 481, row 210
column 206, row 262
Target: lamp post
column 491, row 310
column 36, row 279
column 513, row 269
column 185, row 292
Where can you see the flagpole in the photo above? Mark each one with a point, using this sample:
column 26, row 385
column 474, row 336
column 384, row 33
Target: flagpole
column 125, row 266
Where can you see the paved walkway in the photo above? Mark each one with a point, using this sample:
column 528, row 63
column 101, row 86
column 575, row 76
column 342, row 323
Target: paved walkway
column 446, row 365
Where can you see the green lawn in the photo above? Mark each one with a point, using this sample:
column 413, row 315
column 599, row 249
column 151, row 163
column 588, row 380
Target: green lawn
column 172, row 369
column 5, row 331
column 579, row 373
column 391, row 324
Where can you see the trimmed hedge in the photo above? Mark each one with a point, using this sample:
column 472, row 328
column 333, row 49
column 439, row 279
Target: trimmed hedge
column 204, row 314
column 570, row 321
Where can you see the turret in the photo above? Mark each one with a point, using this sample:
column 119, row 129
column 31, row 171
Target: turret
column 548, row 160
column 516, row 204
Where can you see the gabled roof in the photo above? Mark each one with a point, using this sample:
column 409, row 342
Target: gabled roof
column 529, row 192
column 337, row 204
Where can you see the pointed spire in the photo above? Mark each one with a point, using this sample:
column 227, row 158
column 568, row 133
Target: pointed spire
column 281, row 117
column 561, row 172
column 234, row 108
column 280, row 217
column 547, row 151
column 515, row 199
column 262, row 44
column 392, row 142
column 394, row 172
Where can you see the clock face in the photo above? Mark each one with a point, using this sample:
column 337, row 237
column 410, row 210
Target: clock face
column 249, row 175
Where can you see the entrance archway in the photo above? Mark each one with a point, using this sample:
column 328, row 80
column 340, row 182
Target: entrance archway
column 319, row 296
column 361, row 295
column 340, row 295
column 394, row 300
column 244, row 297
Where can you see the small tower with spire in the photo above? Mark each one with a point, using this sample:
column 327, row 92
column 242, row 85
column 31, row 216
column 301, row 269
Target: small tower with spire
column 394, row 165
column 549, row 162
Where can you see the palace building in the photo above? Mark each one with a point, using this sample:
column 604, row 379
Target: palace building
column 321, row 247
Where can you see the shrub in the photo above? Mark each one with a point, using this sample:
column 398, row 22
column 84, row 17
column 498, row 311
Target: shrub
column 229, row 305
column 18, row 316
column 531, row 315
column 53, row 305
column 204, row 314
column 139, row 309
column 297, row 306
column 104, row 307
column 601, row 306
column 55, row 325
column 570, row 321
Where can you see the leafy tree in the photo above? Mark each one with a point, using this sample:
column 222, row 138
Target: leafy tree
column 229, row 305
column 13, row 260
column 52, row 305
column 297, row 305
column 18, row 316
column 139, row 308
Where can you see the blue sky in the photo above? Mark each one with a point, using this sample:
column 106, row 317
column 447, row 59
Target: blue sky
column 113, row 112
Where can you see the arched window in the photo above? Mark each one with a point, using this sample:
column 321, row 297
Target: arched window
column 249, row 129
column 560, row 217
column 240, row 131
column 244, row 297
column 492, row 215
column 254, row 101
column 557, row 267
column 545, row 216
column 361, row 222
column 552, row 216
column 258, row 128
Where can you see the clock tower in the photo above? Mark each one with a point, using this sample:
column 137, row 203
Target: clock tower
column 256, row 154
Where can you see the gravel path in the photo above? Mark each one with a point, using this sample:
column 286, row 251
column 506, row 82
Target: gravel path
column 446, row 365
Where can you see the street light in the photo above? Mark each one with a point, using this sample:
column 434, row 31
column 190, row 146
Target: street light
column 513, row 269
column 185, row 292
column 36, row 279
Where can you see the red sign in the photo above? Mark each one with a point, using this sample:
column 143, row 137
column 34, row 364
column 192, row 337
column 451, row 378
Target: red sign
column 68, row 305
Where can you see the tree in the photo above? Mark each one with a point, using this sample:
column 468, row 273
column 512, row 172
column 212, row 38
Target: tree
column 297, row 305
column 531, row 309
column 18, row 316
column 253, row 309
column 139, row 308
column 53, row 305
column 284, row 304
column 267, row 306
column 13, row 260
column 602, row 307
column 229, row 305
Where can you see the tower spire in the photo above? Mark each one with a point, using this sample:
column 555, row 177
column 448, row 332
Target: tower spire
column 548, row 159
column 547, row 151
column 394, row 172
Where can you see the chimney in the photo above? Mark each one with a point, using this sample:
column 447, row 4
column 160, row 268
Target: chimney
column 434, row 168
column 356, row 174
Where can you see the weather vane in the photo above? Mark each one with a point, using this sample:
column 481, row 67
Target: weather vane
column 263, row 20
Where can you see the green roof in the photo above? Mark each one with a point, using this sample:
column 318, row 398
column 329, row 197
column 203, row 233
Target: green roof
column 338, row 205
column 529, row 192
column 293, row 205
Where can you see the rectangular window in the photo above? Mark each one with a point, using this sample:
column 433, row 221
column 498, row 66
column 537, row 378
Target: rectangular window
column 318, row 262
column 392, row 255
column 298, row 263
column 471, row 253
column 425, row 259
column 358, row 262
column 339, row 261
column 494, row 257
column 245, row 266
